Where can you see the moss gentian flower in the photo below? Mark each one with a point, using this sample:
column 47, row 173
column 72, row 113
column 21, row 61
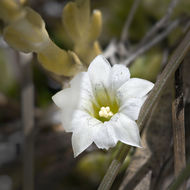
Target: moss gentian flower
column 102, row 106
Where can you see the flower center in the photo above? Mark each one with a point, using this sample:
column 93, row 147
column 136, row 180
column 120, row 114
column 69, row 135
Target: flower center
column 105, row 112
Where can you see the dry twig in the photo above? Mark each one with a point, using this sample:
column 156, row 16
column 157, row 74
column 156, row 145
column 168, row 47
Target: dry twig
column 178, row 125
column 151, row 43
column 27, row 111
column 125, row 32
column 160, row 24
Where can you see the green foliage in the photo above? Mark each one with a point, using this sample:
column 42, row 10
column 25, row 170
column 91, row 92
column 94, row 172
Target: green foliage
column 147, row 66
column 93, row 166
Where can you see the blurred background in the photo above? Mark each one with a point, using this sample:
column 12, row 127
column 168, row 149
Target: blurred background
column 54, row 165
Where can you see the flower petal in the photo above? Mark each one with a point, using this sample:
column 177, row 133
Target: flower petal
column 81, row 119
column 85, row 129
column 68, row 97
column 104, row 136
column 99, row 70
column 87, row 99
column 132, row 107
column 119, row 75
column 102, row 133
column 99, row 73
column 126, row 130
column 79, row 95
column 134, row 88
column 66, row 100
column 60, row 97
column 81, row 139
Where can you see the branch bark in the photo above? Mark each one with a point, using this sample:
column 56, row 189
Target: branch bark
column 178, row 125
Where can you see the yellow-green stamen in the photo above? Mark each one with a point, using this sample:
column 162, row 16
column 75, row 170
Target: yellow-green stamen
column 105, row 112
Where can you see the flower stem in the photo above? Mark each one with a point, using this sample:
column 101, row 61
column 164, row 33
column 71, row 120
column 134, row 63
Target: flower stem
column 174, row 62
column 114, row 167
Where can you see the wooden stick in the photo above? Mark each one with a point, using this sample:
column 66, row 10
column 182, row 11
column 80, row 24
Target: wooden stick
column 178, row 125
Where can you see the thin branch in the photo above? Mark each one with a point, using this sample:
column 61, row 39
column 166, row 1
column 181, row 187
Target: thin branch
column 27, row 108
column 178, row 125
column 152, row 43
column 110, row 49
column 171, row 67
column 165, row 57
column 123, row 45
column 28, row 126
column 161, row 23
column 129, row 20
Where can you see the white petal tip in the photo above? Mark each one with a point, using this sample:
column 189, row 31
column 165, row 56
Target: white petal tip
column 57, row 98
column 53, row 97
column 134, row 144
column 100, row 59
column 76, row 154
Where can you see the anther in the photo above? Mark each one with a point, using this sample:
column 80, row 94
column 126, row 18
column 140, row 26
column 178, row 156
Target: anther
column 105, row 112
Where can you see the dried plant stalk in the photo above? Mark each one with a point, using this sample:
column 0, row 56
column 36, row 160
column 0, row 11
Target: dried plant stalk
column 178, row 125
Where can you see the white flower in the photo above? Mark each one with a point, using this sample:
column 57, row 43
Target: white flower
column 101, row 106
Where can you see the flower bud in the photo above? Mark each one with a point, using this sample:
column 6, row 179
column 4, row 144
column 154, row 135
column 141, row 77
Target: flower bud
column 27, row 34
column 59, row 61
column 10, row 11
column 69, row 21
column 95, row 26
